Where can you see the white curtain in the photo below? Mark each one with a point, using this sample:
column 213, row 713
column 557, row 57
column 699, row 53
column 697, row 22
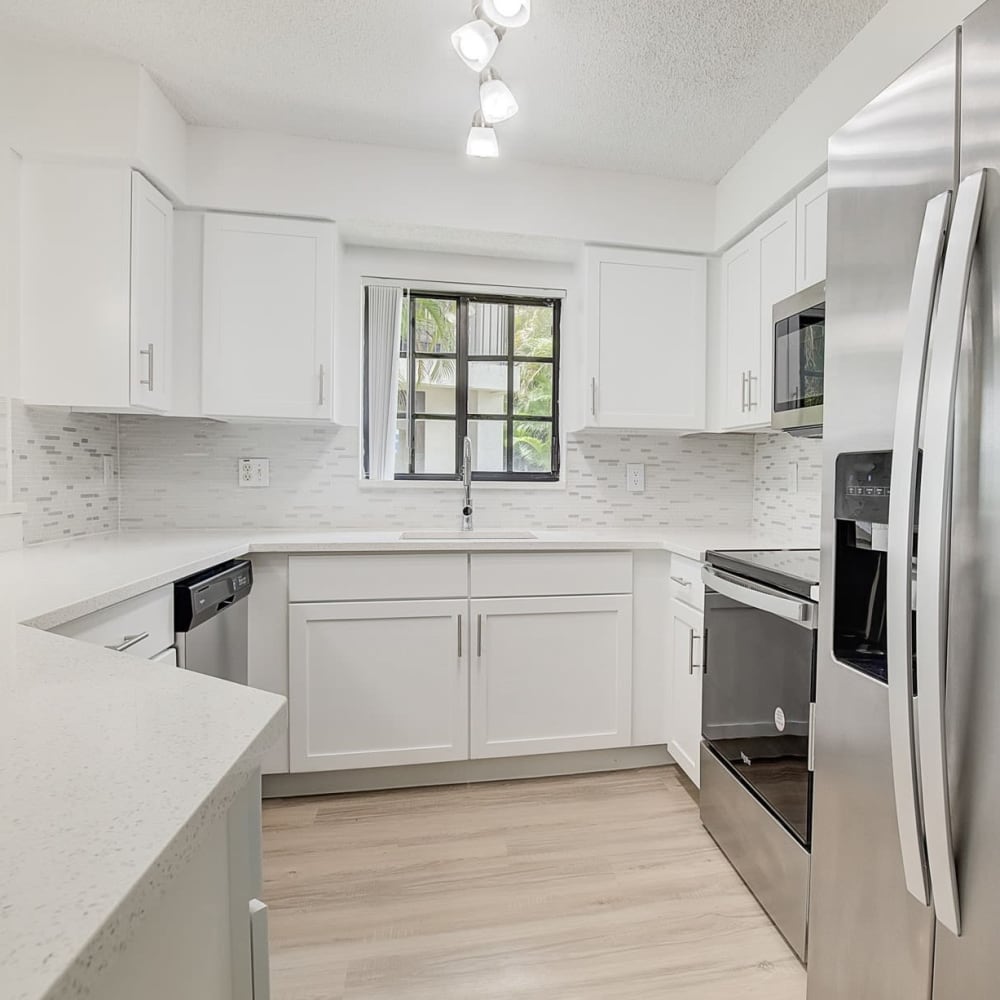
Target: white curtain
column 383, row 317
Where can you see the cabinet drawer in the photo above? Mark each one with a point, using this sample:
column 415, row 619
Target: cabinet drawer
column 544, row 574
column 377, row 577
column 685, row 582
column 151, row 613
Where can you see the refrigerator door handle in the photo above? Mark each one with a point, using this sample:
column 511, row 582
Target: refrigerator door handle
column 935, row 538
column 902, row 500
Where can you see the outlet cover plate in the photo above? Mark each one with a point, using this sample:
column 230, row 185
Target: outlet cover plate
column 254, row 473
column 635, row 478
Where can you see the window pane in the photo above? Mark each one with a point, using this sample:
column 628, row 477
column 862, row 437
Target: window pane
column 532, row 446
column 402, row 448
column 488, row 328
column 435, row 446
column 533, row 331
column 435, row 388
column 487, row 387
column 489, row 441
column 533, row 389
column 435, row 332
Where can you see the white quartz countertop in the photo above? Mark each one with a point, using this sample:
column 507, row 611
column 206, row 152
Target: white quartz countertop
column 48, row 585
column 111, row 769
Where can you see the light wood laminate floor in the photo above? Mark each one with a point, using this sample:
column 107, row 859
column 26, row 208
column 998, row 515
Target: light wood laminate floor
column 598, row 886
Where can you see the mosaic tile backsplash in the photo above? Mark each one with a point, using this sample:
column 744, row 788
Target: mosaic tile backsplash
column 57, row 471
column 182, row 474
column 776, row 506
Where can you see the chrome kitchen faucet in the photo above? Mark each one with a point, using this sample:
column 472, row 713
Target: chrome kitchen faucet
column 467, row 483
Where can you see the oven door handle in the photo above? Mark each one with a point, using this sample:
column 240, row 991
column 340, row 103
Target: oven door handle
column 762, row 598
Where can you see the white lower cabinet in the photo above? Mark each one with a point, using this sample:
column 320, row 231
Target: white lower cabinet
column 550, row 674
column 687, row 630
column 377, row 683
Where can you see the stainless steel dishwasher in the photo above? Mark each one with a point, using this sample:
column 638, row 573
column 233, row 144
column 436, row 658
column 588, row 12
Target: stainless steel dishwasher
column 210, row 620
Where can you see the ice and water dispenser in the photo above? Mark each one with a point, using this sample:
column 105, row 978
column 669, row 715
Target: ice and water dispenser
column 862, row 525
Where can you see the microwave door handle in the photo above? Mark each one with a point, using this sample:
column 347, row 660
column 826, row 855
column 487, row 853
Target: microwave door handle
column 899, row 570
column 933, row 568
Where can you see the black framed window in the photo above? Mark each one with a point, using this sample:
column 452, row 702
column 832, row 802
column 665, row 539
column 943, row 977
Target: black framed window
column 486, row 367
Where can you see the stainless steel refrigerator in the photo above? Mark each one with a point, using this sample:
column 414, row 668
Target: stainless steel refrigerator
column 905, row 892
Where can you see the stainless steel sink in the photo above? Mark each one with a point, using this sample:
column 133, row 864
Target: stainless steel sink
column 472, row 536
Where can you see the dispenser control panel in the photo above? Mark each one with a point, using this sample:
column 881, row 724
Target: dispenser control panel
column 864, row 481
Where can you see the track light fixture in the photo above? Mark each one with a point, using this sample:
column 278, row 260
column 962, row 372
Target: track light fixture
column 476, row 42
column 507, row 13
column 482, row 139
column 495, row 98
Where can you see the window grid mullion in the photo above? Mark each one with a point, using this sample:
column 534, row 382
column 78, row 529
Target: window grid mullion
column 509, row 449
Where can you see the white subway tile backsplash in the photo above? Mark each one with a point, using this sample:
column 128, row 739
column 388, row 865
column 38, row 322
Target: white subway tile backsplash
column 182, row 474
column 57, row 471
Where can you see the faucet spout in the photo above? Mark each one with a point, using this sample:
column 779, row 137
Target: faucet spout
column 467, row 483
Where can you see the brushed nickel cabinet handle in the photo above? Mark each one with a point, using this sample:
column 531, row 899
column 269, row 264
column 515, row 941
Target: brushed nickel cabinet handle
column 681, row 581
column 128, row 642
column 148, row 354
column 479, row 636
column 694, row 637
column 460, row 637
column 322, row 384
column 593, row 397
column 751, row 378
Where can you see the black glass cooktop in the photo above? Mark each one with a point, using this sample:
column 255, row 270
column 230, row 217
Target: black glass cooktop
column 794, row 570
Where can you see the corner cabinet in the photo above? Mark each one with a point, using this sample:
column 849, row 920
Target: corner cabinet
column 96, row 288
column 377, row 683
column 551, row 674
column 810, row 214
column 646, row 339
column 267, row 324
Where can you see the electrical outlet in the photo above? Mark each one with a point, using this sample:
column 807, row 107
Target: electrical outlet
column 254, row 472
column 108, row 468
column 635, row 478
column 793, row 477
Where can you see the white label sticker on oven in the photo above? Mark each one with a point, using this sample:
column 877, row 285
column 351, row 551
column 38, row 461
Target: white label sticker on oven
column 779, row 719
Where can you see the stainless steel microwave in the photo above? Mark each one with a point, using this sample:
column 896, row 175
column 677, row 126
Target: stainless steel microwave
column 799, row 330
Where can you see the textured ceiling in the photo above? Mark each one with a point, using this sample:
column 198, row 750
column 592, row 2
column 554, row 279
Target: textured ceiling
column 680, row 88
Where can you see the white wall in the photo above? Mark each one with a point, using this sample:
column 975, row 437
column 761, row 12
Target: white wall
column 10, row 169
column 794, row 149
column 413, row 268
column 59, row 103
column 263, row 172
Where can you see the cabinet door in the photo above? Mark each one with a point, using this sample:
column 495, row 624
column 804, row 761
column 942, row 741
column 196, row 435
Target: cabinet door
column 776, row 240
column 687, row 648
column 151, row 296
column 741, row 329
column 551, row 674
column 810, row 210
column 268, row 318
column 377, row 683
column 646, row 346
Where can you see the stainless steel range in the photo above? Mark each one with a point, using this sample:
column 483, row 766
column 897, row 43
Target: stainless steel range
column 757, row 709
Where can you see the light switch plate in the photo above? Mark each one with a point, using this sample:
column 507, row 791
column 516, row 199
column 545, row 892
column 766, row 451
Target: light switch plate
column 254, row 472
column 635, row 478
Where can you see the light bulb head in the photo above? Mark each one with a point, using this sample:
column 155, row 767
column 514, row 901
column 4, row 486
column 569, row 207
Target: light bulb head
column 507, row 13
column 495, row 98
column 475, row 42
column 482, row 141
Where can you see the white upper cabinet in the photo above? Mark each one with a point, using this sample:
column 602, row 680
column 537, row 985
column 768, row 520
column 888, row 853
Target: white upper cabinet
column 646, row 321
column 96, row 265
column 267, row 330
column 810, row 211
column 757, row 272
column 152, row 295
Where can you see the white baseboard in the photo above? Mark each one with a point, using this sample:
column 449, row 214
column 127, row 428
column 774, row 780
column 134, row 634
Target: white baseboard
column 463, row 771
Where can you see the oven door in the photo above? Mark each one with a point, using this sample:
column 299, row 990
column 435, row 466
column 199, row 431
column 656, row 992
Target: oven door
column 757, row 694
